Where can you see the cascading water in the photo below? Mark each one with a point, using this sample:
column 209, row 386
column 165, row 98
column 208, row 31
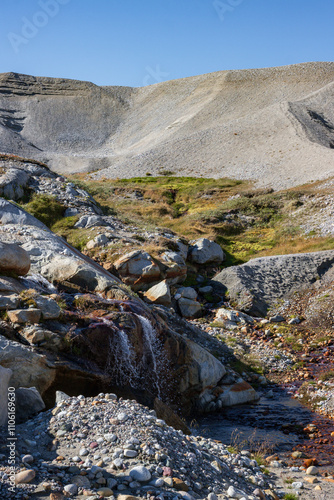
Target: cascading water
column 152, row 349
column 123, row 367
column 39, row 283
column 128, row 365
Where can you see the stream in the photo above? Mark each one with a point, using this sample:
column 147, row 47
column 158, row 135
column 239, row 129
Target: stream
column 272, row 425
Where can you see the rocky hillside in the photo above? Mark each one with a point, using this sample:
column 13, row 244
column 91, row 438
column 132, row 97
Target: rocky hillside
column 93, row 305
column 274, row 126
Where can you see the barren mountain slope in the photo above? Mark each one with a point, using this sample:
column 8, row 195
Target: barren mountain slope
column 273, row 125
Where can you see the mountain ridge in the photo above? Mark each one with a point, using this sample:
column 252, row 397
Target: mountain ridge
column 270, row 125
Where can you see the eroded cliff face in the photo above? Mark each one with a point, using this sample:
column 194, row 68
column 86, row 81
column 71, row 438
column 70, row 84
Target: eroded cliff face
column 221, row 124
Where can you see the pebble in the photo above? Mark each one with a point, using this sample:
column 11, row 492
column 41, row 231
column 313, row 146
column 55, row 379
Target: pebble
column 72, row 489
column 312, row 470
column 140, row 473
column 25, row 476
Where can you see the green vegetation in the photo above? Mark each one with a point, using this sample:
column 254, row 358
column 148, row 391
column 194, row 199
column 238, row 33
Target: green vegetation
column 290, row 496
column 328, row 375
column 247, row 364
column 245, row 223
column 28, row 297
column 45, row 208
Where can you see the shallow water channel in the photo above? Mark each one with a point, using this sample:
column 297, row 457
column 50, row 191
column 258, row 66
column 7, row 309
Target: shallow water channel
column 272, row 425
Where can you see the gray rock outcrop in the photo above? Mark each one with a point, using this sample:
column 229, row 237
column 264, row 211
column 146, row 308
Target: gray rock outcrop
column 159, row 294
column 137, row 268
column 29, row 368
column 255, row 286
column 186, row 125
column 204, row 251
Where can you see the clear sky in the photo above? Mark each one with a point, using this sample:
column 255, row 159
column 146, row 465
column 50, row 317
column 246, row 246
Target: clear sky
column 140, row 42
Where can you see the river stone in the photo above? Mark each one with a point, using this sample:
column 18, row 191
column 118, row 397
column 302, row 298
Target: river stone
column 74, row 270
column 72, row 489
column 233, row 492
column 261, row 282
column 61, row 396
column 159, row 294
column 14, row 259
column 179, row 485
column 130, row 453
column 204, row 251
column 5, row 375
column 312, row 471
column 25, row 476
column 140, row 473
column 9, row 286
column 105, row 492
column 56, row 496
column 27, row 459
column 234, row 316
column 12, row 214
column 81, row 481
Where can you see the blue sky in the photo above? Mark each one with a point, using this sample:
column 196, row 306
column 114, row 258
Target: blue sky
column 141, row 42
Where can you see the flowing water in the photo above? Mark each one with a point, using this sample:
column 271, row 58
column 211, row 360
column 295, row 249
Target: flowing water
column 39, row 283
column 272, row 425
column 152, row 349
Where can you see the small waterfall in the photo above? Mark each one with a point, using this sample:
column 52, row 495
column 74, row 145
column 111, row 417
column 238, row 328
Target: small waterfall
column 152, row 350
column 128, row 366
column 123, row 367
column 39, row 283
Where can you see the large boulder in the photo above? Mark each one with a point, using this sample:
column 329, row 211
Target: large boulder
column 28, row 403
column 159, row 294
column 29, row 368
column 12, row 214
column 14, row 259
column 5, row 375
column 204, row 251
column 176, row 271
column 237, row 394
column 138, row 268
column 260, row 283
column 193, row 367
column 78, row 272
